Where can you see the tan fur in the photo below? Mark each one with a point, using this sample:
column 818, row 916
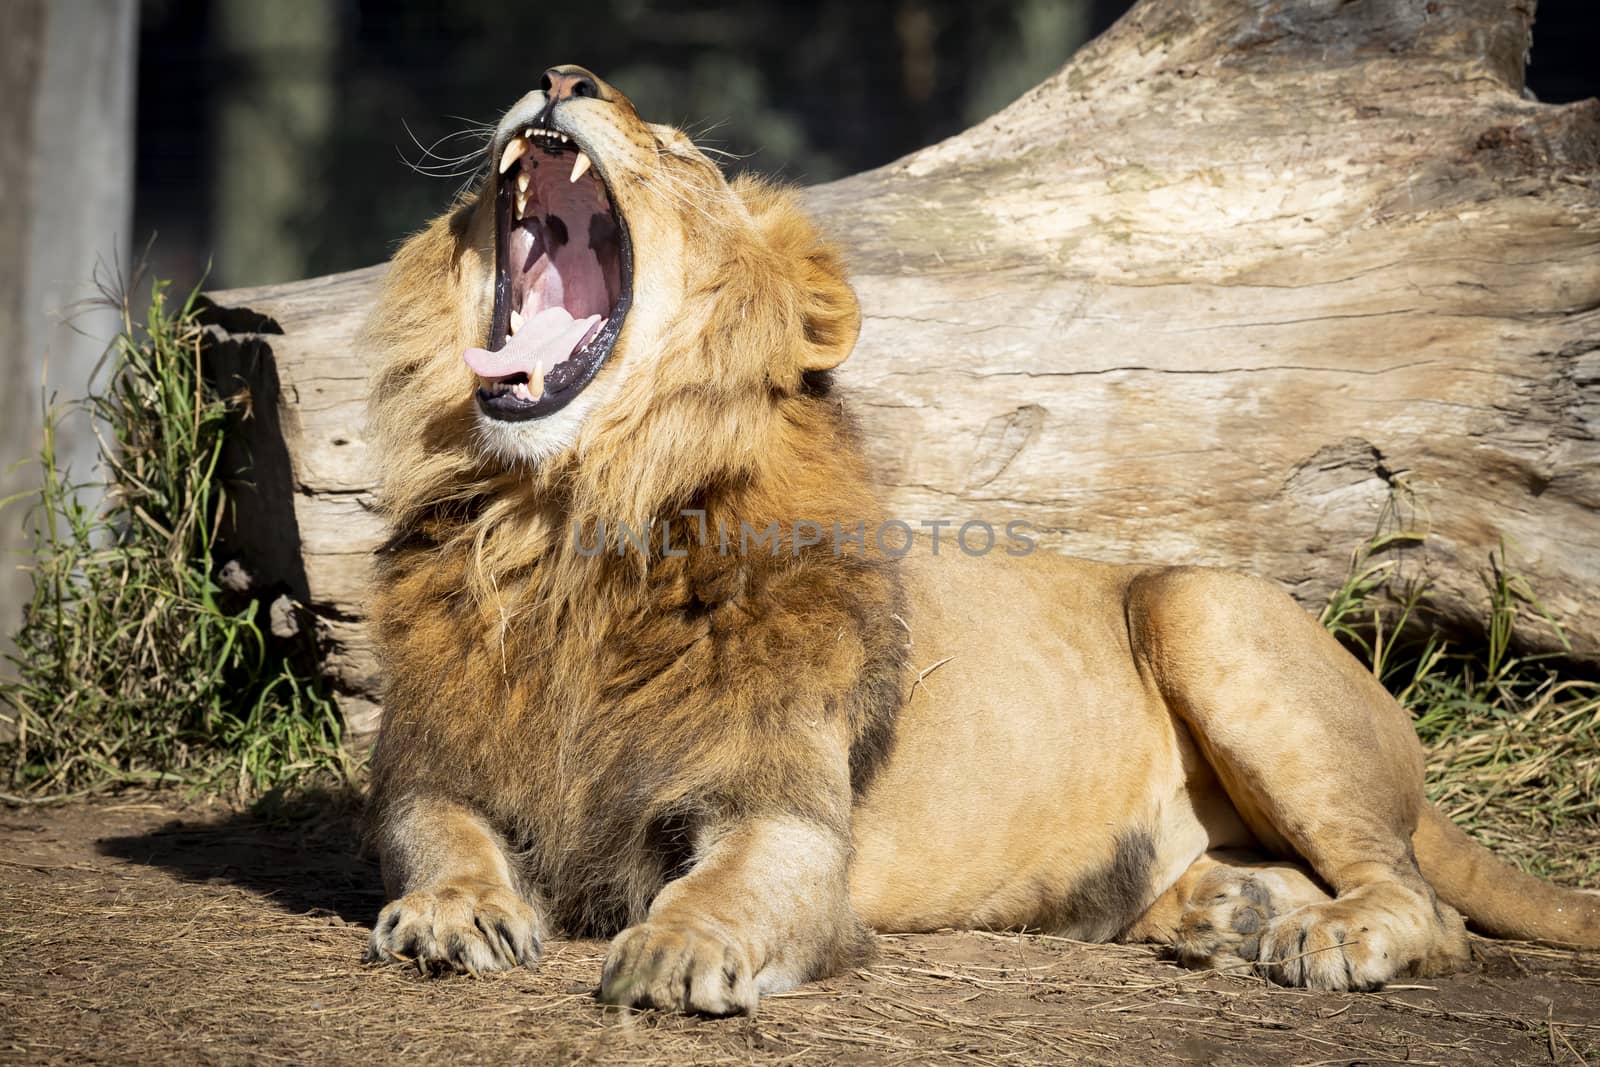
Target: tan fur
column 742, row 761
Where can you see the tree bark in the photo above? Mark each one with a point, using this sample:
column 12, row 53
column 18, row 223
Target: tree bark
column 1244, row 281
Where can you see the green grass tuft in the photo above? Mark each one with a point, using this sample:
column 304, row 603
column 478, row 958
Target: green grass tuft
column 1513, row 739
column 133, row 665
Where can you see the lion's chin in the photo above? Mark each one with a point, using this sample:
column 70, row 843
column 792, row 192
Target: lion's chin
column 563, row 278
column 530, row 443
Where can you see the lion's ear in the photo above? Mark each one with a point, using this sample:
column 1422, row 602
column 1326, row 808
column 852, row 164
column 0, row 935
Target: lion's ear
column 829, row 313
column 830, row 318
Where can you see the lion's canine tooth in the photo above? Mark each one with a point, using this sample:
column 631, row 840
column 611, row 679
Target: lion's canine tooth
column 536, row 379
column 523, row 181
column 580, row 166
column 513, row 152
column 516, row 321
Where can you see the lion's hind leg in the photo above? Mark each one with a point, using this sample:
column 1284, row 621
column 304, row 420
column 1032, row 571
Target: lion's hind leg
column 1319, row 762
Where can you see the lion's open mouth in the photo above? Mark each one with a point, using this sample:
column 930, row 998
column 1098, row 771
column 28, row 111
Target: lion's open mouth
column 563, row 277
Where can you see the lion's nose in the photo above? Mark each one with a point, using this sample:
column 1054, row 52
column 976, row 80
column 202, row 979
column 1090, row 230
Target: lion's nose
column 563, row 83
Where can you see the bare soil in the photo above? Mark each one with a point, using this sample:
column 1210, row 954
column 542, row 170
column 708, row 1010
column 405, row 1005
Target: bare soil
column 141, row 931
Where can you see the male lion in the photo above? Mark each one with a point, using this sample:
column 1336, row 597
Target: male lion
column 723, row 750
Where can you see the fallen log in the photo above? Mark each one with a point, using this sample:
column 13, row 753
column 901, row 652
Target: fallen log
column 1244, row 281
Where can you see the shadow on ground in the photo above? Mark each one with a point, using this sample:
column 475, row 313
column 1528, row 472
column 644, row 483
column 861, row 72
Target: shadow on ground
column 134, row 930
column 305, row 857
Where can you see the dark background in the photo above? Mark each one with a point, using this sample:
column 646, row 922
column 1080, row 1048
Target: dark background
column 274, row 136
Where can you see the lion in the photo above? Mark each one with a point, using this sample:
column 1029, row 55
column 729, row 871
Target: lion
column 606, row 714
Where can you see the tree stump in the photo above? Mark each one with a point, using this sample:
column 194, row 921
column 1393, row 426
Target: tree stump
column 1243, row 281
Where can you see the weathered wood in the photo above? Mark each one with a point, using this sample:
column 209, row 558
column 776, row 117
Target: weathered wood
column 1241, row 279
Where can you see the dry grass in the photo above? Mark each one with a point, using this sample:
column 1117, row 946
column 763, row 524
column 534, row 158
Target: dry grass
column 225, row 939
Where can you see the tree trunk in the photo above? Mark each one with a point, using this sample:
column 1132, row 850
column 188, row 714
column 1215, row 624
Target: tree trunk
column 1244, row 281
column 66, row 206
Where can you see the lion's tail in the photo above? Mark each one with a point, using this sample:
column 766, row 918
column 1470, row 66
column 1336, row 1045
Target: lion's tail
column 1497, row 898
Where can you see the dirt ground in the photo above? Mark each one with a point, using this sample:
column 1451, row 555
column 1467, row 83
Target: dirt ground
column 143, row 932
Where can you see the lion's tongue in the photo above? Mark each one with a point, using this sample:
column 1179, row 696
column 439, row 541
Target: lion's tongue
column 549, row 337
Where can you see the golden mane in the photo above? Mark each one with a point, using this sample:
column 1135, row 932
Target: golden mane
column 497, row 599
column 733, row 394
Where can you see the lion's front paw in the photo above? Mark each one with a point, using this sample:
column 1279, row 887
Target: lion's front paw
column 458, row 928
column 679, row 966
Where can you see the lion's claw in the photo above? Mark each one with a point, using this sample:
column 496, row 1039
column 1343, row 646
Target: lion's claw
column 467, row 929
